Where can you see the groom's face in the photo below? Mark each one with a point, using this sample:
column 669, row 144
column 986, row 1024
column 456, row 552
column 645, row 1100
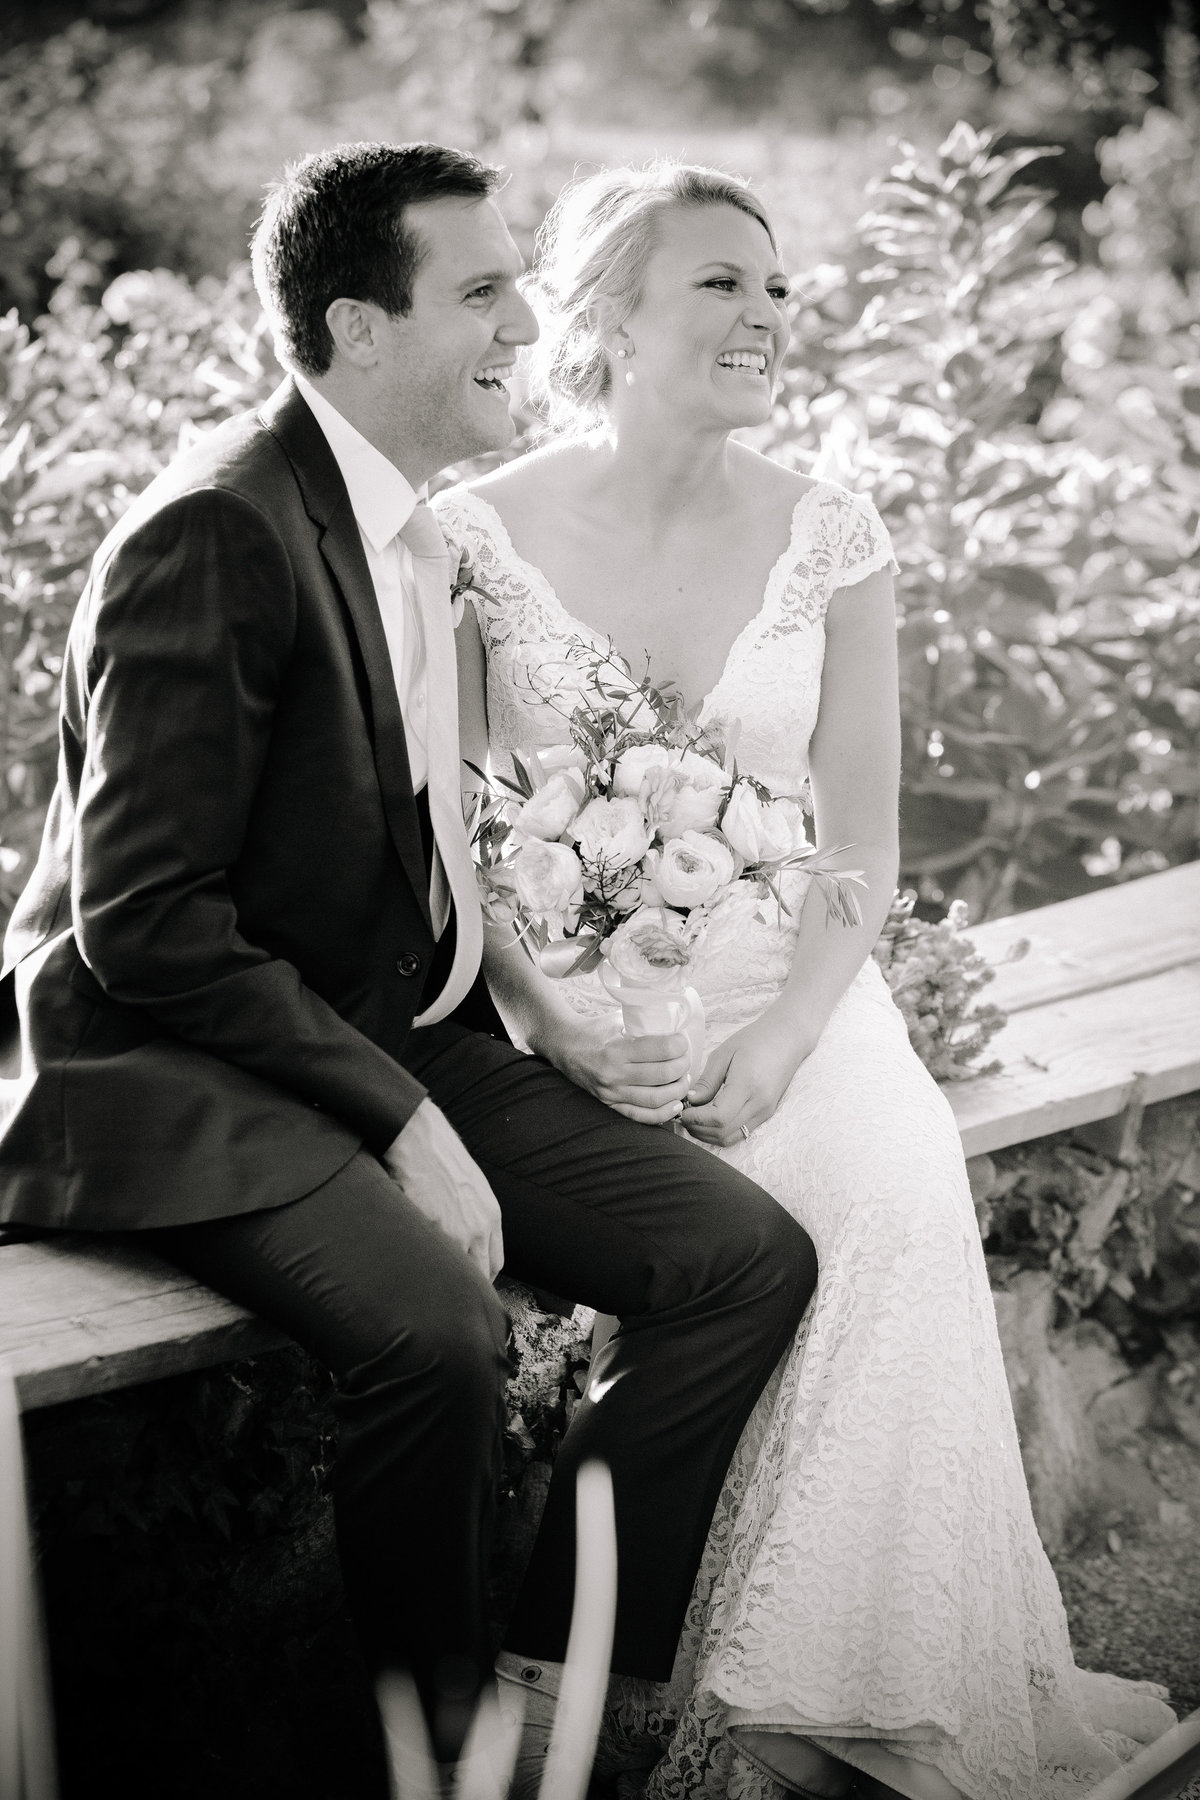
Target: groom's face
column 446, row 361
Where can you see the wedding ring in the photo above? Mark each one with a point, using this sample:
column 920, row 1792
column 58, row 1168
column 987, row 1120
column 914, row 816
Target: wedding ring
column 745, row 1130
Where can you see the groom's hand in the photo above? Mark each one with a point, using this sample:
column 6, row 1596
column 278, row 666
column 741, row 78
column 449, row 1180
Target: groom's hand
column 645, row 1078
column 431, row 1163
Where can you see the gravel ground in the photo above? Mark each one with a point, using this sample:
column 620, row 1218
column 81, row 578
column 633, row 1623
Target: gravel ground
column 1132, row 1592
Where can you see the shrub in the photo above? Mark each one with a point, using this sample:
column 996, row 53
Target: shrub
column 162, row 158
column 92, row 405
column 936, row 975
column 1046, row 531
column 1112, row 1213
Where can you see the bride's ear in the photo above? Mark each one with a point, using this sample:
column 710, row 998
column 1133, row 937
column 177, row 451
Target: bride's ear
column 612, row 337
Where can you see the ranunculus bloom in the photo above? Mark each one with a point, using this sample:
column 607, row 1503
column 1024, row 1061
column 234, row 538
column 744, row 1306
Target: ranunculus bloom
column 762, row 830
column 612, row 835
column 685, row 795
column 650, row 949
column 631, row 768
column 691, row 868
column 548, row 812
column 548, row 877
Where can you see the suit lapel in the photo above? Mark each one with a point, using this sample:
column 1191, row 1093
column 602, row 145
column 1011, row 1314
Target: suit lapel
column 289, row 420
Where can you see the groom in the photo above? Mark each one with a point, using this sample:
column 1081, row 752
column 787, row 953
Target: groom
column 236, row 974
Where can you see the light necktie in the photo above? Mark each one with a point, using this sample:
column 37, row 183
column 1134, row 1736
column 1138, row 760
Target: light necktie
column 454, row 868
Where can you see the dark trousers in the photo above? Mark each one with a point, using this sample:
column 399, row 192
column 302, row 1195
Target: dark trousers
column 708, row 1276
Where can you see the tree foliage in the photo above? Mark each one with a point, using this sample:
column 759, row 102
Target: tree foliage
column 92, row 404
column 1011, row 34
column 162, row 158
column 1032, row 438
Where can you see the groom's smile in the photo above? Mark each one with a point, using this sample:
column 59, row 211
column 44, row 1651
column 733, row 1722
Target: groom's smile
column 493, row 380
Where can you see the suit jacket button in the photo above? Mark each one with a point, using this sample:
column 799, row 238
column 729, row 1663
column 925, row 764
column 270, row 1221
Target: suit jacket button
column 408, row 964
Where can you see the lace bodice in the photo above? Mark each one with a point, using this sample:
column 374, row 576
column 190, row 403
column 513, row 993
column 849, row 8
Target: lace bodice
column 771, row 682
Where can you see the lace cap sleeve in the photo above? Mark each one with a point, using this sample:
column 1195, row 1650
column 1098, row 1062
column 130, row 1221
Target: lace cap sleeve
column 866, row 546
column 451, row 515
column 465, row 535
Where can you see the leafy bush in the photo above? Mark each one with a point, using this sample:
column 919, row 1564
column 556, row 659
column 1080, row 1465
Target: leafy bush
column 162, row 158
column 1046, row 524
column 1112, row 1212
column 92, row 405
column 936, row 974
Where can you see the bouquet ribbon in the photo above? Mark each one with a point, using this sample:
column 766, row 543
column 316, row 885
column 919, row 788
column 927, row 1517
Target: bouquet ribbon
column 656, row 1011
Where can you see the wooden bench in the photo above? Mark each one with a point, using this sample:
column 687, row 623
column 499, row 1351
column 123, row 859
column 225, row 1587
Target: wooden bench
column 1104, row 1010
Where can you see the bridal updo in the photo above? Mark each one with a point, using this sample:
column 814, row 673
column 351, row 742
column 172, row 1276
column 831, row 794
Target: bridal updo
column 593, row 248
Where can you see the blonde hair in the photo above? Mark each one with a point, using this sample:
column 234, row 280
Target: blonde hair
column 594, row 245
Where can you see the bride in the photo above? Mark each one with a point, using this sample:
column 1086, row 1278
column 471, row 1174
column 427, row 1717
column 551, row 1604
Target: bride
column 875, row 1614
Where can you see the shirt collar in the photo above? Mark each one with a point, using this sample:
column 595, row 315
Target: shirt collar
column 383, row 501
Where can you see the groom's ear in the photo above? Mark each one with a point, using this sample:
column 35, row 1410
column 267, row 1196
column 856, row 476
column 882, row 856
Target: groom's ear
column 355, row 327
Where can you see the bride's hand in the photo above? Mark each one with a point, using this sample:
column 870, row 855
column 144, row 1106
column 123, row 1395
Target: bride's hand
column 645, row 1078
column 744, row 1079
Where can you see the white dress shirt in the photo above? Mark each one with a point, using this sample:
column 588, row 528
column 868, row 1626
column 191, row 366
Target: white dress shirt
column 383, row 501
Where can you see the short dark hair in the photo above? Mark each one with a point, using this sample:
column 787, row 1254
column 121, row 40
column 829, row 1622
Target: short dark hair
column 333, row 227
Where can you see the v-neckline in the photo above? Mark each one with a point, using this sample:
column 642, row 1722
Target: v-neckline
column 774, row 584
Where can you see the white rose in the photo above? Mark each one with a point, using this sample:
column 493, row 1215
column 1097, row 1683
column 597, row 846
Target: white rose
column 650, row 949
column 558, row 757
column 612, row 835
column 761, row 830
column 690, row 869
column 631, row 769
column 686, row 795
column 548, row 877
column 548, row 813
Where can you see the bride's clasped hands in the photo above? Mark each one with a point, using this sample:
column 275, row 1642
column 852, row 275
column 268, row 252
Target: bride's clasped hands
column 648, row 1078
column 746, row 1076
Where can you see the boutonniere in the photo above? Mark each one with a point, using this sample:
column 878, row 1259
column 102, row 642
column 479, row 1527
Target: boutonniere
column 462, row 584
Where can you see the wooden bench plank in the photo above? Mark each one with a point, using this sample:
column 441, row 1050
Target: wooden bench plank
column 85, row 1316
column 1095, row 941
column 1072, row 1061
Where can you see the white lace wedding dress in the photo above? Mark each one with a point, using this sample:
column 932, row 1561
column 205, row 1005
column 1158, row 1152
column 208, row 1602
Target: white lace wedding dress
column 873, row 1575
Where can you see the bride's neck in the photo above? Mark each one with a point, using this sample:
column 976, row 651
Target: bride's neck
column 659, row 475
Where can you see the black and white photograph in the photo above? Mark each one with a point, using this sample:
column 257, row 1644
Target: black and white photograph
column 600, row 887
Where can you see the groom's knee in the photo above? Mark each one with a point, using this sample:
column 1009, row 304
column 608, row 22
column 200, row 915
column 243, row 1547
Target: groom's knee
column 778, row 1262
column 446, row 1360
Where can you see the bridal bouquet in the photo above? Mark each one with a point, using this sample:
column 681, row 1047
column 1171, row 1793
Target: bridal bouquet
column 609, row 851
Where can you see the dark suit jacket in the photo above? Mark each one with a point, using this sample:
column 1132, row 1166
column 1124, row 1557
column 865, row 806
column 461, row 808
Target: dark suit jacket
column 215, row 965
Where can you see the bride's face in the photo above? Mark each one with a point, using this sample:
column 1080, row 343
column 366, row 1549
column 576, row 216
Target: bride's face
column 711, row 328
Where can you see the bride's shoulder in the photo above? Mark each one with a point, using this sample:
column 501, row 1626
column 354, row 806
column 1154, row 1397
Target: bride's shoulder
column 768, row 483
column 774, row 483
column 825, row 510
column 538, row 477
column 513, row 499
